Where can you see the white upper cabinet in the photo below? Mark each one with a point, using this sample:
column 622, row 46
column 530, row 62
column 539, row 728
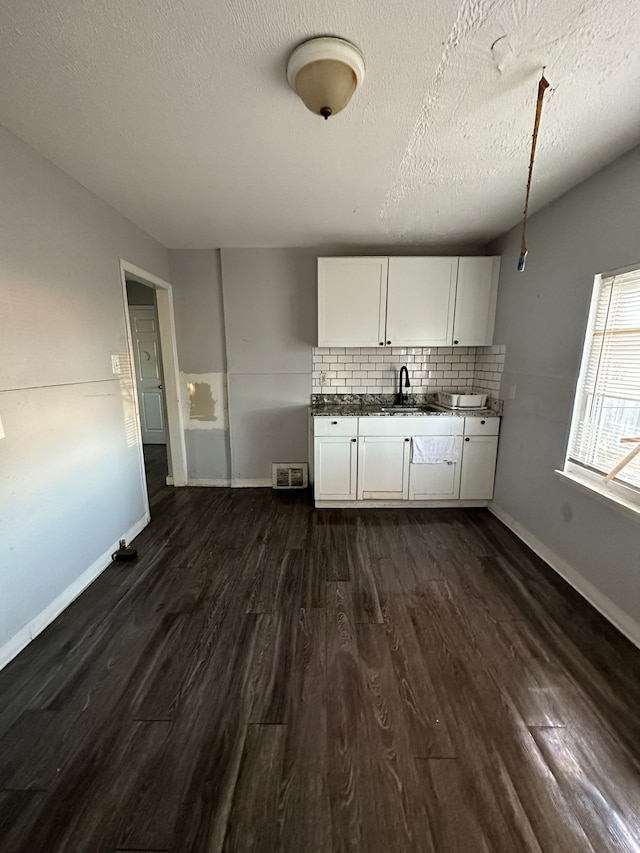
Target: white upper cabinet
column 421, row 295
column 476, row 295
column 352, row 298
column 365, row 302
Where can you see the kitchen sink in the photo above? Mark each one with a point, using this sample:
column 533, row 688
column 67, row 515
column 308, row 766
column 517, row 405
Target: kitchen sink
column 392, row 410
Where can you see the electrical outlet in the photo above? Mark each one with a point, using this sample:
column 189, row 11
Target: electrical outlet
column 323, row 378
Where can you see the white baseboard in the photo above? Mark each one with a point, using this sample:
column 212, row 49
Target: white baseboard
column 399, row 504
column 614, row 614
column 31, row 630
column 222, row 482
column 215, row 482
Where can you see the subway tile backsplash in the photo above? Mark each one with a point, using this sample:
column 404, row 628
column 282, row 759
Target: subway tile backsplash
column 367, row 370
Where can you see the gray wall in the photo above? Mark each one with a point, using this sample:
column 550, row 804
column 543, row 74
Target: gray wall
column 71, row 480
column 197, row 297
column 197, row 301
column 271, row 327
column 542, row 315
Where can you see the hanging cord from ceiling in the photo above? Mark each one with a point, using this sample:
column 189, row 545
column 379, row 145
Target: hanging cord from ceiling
column 543, row 85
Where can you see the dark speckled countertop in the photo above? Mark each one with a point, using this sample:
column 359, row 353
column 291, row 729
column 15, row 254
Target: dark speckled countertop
column 370, row 405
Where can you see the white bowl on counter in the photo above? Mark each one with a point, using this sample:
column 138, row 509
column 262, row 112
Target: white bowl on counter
column 462, row 401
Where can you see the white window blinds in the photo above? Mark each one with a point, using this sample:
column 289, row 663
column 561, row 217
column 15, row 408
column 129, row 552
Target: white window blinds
column 608, row 396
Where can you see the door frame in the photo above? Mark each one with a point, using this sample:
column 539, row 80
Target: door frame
column 170, row 368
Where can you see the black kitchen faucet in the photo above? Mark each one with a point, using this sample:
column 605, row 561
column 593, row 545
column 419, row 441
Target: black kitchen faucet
column 401, row 398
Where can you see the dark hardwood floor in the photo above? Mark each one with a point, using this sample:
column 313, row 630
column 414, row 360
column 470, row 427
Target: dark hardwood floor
column 155, row 463
column 272, row 678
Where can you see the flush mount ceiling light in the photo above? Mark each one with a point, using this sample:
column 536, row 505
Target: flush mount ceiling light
column 324, row 73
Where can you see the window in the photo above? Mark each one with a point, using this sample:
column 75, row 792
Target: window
column 607, row 404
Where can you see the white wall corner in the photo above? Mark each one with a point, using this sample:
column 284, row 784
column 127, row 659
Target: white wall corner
column 614, row 614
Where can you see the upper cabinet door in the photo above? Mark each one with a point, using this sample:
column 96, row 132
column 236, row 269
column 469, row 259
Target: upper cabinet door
column 352, row 296
column 476, row 301
column 420, row 301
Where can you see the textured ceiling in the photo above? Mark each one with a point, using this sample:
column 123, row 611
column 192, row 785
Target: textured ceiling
column 178, row 112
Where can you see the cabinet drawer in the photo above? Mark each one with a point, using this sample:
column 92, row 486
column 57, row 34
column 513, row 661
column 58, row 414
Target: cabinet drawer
column 405, row 425
column 335, row 426
column 481, row 426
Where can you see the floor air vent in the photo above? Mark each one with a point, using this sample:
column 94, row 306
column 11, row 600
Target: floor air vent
column 289, row 475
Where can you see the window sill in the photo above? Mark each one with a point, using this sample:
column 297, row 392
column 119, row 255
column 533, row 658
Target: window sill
column 594, row 486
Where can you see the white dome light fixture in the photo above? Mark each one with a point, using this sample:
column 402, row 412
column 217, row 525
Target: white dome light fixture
column 324, row 73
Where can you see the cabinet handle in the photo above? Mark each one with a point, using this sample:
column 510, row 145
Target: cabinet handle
column 407, row 439
column 388, row 342
column 381, row 343
column 467, row 439
column 334, row 422
column 483, row 422
column 455, row 342
column 354, row 439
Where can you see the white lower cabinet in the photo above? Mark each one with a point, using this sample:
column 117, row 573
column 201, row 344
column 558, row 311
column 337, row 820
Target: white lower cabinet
column 383, row 467
column 369, row 459
column 438, row 481
column 479, row 454
column 335, row 468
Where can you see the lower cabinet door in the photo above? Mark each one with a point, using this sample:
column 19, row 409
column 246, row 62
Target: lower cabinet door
column 335, row 468
column 383, row 467
column 478, row 467
column 436, row 481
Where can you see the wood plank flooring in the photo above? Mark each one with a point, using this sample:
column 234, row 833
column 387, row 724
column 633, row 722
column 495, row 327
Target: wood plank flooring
column 268, row 677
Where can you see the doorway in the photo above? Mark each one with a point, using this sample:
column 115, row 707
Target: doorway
column 148, row 303
column 147, row 364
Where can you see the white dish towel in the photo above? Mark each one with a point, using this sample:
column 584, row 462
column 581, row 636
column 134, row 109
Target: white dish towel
column 432, row 449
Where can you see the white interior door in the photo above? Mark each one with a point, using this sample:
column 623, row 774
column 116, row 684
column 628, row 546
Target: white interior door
column 148, row 365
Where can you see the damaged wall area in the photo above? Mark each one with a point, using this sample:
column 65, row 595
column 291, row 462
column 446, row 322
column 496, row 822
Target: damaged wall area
column 200, row 333
column 204, row 400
